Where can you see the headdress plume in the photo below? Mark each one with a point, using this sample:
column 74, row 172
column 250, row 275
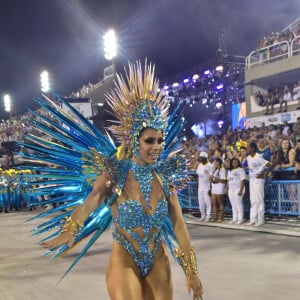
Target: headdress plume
column 137, row 103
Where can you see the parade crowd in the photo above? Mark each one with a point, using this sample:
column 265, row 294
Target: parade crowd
column 238, row 162
column 225, row 165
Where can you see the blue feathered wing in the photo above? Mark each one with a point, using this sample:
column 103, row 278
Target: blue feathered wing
column 66, row 154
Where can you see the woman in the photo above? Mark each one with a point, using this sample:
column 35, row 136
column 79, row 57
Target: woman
column 243, row 158
column 141, row 198
column 236, row 188
column 284, row 163
column 284, row 157
column 218, row 179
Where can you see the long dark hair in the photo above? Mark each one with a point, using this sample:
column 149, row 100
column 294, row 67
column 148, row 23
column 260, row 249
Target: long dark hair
column 231, row 163
column 281, row 155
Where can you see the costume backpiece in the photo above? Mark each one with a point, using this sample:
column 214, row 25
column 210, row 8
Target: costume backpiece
column 69, row 153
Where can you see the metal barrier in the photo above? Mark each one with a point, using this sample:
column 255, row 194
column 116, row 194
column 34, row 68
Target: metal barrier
column 274, row 52
column 282, row 198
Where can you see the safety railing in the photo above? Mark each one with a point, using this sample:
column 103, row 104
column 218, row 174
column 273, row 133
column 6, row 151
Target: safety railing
column 295, row 46
column 282, row 198
column 269, row 54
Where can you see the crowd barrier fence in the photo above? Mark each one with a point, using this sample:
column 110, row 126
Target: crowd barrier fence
column 282, row 197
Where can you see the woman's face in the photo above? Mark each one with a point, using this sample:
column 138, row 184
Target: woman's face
column 235, row 163
column 150, row 143
column 284, row 144
column 243, row 152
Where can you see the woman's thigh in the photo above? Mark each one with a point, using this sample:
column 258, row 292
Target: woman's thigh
column 157, row 284
column 122, row 276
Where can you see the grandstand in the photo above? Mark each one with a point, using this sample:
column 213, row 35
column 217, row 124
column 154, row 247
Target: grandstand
column 274, row 65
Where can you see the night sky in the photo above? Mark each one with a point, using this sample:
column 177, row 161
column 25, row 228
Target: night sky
column 65, row 37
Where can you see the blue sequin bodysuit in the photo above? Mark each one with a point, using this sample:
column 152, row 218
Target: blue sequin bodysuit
column 132, row 216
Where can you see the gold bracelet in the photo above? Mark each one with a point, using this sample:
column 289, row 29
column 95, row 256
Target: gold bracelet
column 187, row 260
column 71, row 226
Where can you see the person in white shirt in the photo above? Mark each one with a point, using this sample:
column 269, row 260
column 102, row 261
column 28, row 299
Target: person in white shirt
column 218, row 189
column 272, row 131
column 286, row 129
column 236, row 177
column 287, row 96
column 257, row 175
column 204, row 171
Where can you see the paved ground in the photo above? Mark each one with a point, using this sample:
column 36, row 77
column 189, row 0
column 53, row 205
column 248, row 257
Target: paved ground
column 280, row 225
column 245, row 263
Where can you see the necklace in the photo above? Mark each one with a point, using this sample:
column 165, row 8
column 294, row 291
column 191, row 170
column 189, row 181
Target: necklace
column 143, row 175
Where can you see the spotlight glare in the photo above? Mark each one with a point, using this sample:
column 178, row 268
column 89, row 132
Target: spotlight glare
column 45, row 86
column 110, row 45
column 220, row 86
column 220, row 123
column 219, row 105
column 219, row 68
column 195, row 77
column 7, row 103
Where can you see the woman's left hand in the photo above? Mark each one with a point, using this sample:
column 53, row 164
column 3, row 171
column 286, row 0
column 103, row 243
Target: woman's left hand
column 193, row 284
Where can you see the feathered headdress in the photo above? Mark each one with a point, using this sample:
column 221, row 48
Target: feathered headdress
column 137, row 104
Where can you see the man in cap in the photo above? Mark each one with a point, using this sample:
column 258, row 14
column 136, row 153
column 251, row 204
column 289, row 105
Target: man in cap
column 204, row 171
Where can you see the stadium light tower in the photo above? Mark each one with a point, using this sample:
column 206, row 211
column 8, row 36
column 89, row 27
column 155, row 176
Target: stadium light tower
column 45, row 87
column 7, row 105
column 110, row 44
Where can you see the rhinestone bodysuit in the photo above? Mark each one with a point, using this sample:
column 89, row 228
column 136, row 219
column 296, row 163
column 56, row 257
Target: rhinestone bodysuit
column 131, row 216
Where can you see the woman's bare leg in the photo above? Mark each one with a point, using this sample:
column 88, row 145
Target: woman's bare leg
column 122, row 276
column 158, row 283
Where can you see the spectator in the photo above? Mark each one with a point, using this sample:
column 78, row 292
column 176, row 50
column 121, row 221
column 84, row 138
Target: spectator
column 242, row 140
column 270, row 101
column 236, row 188
column 296, row 93
column 260, row 99
column 204, row 171
column 286, row 128
column 297, row 158
column 243, row 157
column 218, row 179
column 257, row 176
column 272, row 131
column 284, row 158
column 287, row 96
column 265, row 147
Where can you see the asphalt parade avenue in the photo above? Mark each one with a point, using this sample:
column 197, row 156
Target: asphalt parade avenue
column 243, row 264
